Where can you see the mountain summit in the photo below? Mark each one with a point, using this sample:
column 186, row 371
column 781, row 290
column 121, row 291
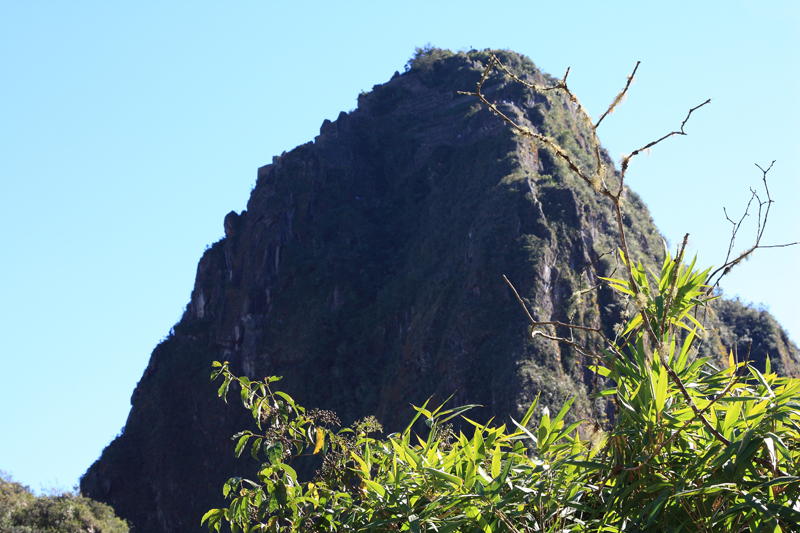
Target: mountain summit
column 368, row 271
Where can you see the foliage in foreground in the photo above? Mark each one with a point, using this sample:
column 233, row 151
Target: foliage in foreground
column 719, row 452
column 22, row 512
column 692, row 447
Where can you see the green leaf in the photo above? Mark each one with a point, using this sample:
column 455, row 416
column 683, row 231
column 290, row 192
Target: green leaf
column 240, row 445
column 572, row 427
column 589, row 465
column 222, row 392
column 275, row 453
column 661, row 389
column 450, row 478
column 604, row 393
column 455, row 412
column 375, row 487
column 280, row 493
column 286, row 397
column 230, row 485
column 562, row 412
column 529, row 413
column 496, row 461
column 761, row 380
column 603, row 371
column 408, row 429
column 362, row 465
column 731, row 416
column 413, row 523
column 290, row 472
column 525, row 430
column 255, row 448
column 213, row 516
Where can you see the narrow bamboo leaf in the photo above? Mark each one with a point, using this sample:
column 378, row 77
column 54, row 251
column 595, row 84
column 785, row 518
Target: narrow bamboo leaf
column 603, row 393
column 731, row 417
column 525, row 430
column 375, row 487
column 414, row 457
column 761, row 380
column 684, row 354
column 783, row 480
column 781, row 447
column 710, row 489
column 661, row 389
column 572, row 427
column 698, row 363
column 562, row 412
column 529, row 413
column 478, row 443
column 452, row 413
column 773, row 459
column 422, row 411
column 656, row 507
column 416, row 416
column 635, row 321
column 469, row 474
column 413, row 523
column 603, row 371
column 589, row 465
column 496, row 461
column 694, row 321
column 450, row 478
column 362, row 465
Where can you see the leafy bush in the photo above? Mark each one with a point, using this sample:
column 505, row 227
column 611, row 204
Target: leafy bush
column 22, row 512
column 425, row 57
column 691, row 447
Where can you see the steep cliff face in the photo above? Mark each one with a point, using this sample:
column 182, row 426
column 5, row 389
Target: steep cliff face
column 367, row 270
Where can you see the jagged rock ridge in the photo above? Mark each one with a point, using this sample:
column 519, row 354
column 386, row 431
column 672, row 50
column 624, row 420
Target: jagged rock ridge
column 367, row 270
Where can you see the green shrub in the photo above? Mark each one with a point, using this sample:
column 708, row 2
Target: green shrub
column 22, row 512
column 693, row 448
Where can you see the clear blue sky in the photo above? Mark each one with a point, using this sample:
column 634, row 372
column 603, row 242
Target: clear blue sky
column 129, row 130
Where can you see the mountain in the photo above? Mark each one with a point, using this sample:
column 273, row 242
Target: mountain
column 367, row 270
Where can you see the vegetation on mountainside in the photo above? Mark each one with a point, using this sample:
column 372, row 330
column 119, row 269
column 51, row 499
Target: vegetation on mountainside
column 23, row 512
column 692, row 446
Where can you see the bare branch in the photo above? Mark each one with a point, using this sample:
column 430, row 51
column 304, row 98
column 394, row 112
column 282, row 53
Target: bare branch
column 626, row 159
column 539, row 333
column 761, row 225
column 620, row 97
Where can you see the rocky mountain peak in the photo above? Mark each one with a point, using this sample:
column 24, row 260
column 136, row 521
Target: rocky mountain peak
column 367, row 270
